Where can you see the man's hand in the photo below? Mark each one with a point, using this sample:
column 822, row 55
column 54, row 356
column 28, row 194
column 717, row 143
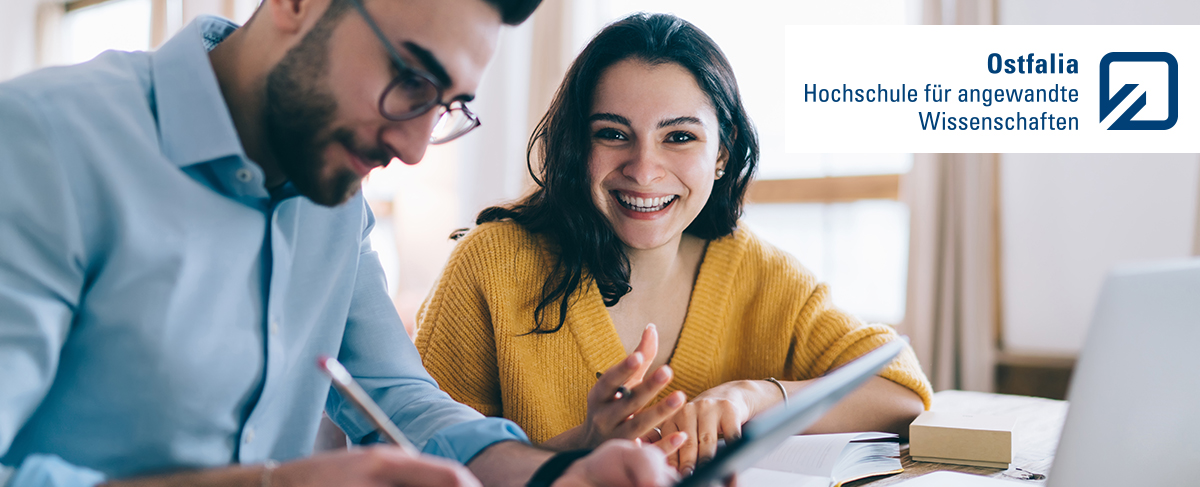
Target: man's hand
column 375, row 466
column 620, row 463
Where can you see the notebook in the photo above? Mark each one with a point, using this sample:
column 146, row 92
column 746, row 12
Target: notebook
column 825, row 460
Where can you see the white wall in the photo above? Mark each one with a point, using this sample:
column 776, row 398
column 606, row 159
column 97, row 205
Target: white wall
column 1067, row 218
column 17, row 41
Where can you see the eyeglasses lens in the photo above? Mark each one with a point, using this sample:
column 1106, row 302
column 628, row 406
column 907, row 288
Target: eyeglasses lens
column 409, row 96
column 452, row 124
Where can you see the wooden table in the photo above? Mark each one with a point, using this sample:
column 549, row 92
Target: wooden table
column 1039, row 426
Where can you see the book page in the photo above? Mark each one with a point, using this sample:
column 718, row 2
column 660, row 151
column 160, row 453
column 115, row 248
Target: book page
column 814, row 455
column 758, row 477
column 861, row 460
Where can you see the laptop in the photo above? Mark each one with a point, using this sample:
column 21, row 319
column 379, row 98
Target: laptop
column 1135, row 396
column 766, row 431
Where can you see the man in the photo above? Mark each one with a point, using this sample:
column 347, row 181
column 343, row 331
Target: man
column 182, row 235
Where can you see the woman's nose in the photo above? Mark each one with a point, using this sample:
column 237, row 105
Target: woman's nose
column 645, row 166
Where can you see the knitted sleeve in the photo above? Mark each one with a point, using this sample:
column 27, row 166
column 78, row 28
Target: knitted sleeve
column 827, row 338
column 455, row 335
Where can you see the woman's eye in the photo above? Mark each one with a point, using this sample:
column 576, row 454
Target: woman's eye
column 679, row 137
column 609, row 134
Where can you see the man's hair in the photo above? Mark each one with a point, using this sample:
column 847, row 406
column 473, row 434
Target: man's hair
column 513, row 12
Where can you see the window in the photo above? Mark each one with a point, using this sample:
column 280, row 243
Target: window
column 88, row 27
column 94, row 27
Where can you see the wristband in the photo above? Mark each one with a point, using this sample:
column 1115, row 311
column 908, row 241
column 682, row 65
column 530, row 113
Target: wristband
column 554, row 468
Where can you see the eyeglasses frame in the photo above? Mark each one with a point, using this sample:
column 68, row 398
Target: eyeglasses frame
column 404, row 68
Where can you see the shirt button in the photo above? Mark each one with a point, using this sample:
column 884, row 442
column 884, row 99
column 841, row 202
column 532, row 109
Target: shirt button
column 244, row 175
column 249, row 435
column 274, row 328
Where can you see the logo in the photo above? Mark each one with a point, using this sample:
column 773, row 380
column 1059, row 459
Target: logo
column 1147, row 68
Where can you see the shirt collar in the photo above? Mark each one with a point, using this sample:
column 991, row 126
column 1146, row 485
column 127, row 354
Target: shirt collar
column 194, row 124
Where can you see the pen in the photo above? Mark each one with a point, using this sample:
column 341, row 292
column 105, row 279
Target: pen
column 353, row 392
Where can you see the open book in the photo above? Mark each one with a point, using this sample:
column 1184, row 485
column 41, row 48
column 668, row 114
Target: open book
column 825, row 460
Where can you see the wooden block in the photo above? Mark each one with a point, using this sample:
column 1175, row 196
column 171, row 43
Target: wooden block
column 969, row 463
column 962, row 439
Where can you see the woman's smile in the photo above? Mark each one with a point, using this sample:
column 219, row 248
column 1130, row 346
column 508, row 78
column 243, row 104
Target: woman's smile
column 643, row 208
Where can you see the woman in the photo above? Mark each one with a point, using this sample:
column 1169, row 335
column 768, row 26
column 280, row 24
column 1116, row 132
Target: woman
column 645, row 156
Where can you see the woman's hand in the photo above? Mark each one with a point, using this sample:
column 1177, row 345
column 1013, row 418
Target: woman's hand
column 618, row 403
column 717, row 412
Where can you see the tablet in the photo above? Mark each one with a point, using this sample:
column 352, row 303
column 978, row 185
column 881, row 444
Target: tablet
column 766, row 431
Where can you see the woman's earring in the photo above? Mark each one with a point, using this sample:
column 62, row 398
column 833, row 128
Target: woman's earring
column 720, row 173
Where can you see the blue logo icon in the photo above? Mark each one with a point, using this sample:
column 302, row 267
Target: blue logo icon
column 1109, row 100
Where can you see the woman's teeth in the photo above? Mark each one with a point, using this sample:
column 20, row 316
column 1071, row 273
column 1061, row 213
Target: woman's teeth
column 645, row 205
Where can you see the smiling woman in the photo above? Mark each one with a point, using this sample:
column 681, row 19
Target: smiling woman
column 655, row 154
column 542, row 313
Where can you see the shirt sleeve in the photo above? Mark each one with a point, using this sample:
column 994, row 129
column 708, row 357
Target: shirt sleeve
column 52, row 471
column 41, row 280
column 378, row 353
column 827, row 338
column 455, row 335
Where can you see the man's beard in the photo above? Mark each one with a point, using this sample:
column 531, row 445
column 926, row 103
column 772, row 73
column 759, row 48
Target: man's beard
column 298, row 115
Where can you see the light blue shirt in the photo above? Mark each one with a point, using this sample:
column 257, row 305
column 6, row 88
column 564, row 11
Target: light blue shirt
column 159, row 308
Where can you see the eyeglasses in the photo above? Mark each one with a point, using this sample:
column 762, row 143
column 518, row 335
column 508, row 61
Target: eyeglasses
column 414, row 92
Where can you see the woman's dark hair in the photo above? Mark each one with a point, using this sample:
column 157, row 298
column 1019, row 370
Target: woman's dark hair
column 561, row 208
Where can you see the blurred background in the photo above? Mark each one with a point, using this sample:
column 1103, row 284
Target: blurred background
column 991, row 263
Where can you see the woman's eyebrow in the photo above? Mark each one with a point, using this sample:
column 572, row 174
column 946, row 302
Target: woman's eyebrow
column 609, row 117
column 680, row 121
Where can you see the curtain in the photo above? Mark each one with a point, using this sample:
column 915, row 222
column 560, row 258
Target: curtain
column 1196, row 230
column 49, row 49
column 960, row 12
column 953, row 280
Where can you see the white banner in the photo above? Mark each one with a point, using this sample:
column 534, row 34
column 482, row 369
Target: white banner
column 992, row 89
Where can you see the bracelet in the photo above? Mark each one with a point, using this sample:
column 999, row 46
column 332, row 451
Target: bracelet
column 268, row 468
column 554, row 468
column 782, row 389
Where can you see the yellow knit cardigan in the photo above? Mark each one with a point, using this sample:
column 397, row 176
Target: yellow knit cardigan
column 755, row 312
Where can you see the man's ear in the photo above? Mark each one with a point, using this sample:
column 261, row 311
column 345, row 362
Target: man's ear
column 295, row 16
